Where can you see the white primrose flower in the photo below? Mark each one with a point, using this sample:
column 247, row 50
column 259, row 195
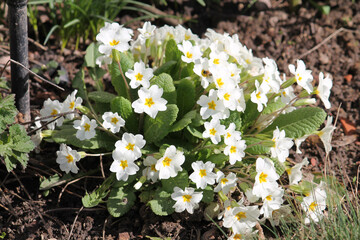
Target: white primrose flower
column 104, row 59
column 287, row 94
column 170, row 164
column 271, row 79
column 223, row 80
column 242, row 218
column 146, row 32
column 230, row 97
column 265, row 180
column 298, row 142
column 324, row 88
column 315, row 204
column 67, row 159
column 51, row 108
column 124, row 166
column 191, row 53
column 203, row 174
column 246, row 234
column 186, row 199
column 214, row 130
column 211, row 106
column 150, row 171
column 272, row 202
column 325, row 134
column 295, row 174
column 201, row 68
column 303, row 77
column 130, row 144
column 231, row 134
column 70, row 103
column 225, row 183
column 234, row 72
column 227, row 209
column 235, row 149
column 85, row 128
column 140, row 75
column 113, row 36
column 246, row 59
column 150, row 101
column 241, row 104
column 113, row 121
column 217, row 60
column 182, row 34
column 250, row 196
column 281, row 146
column 259, row 97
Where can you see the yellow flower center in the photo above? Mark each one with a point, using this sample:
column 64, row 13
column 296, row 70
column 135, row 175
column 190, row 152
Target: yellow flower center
column 248, row 61
column 186, row 198
column 228, row 135
column 202, row 172
column 240, row 215
column 268, row 198
column 69, row 158
column 312, row 206
column 123, row 164
column 216, row 61
column 284, row 93
column 72, row 105
column 149, row 102
column 166, row 161
column 114, row 120
column 114, row 42
column 212, row 105
column 224, row 181
column 138, row 77
column 219, row 82
column 54, row 112
column 288, row 171
column 237, row 236
column 130, row 146
column 187, row 37
column 299, row 78
column 189, row 55
column 232, row 149
column 317, row 92
column 212, row 131
column 226, row 96
column 258, row 95
column 87, row 127
column 262, row 177
column 153, row 168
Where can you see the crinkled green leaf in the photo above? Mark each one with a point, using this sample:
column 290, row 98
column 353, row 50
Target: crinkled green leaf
column 95, row 197
column 54, row 181
column 235, row 117
column 185, row 96
column 120, row 201
column 181, row 180
column 101, row 97
column 249, row 116
column 162, row 204
column 21, row 142
column 123, row 107
column 7, row 111
column 185, row 121
column 298, row 123
column 187, row 71
column 219, row 159
column 172, row 53
column 157, row 128
column 165, row 82
column 165, row 68
column 255, row 147
column 304, row 187
column 273, row 106
column 194, row 132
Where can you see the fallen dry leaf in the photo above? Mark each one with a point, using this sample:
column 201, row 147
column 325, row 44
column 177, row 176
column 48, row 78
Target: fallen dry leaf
column 349, row 127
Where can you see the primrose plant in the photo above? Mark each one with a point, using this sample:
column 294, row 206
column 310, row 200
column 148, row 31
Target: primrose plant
column 192, row 123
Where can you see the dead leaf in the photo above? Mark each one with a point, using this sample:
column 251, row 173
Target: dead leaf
column 349, row 127
column 348, row 78
column 313, row 162
column 345, row 140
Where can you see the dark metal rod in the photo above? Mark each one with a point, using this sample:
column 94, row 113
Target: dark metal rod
column 19, row 52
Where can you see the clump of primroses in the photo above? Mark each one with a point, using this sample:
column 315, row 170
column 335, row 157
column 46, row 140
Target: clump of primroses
column 230, row 79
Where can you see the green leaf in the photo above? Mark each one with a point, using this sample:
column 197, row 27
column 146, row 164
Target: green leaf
column 172, row 53
column 208, row 194
column 194, row 132
column 67, row 135
column 123, row 107
column 273, row 106
column 92, row 53
column 219, row 159
column 185, row 121
column 185, row 96
column 54, row 181
column 93, row 199
column 7, row 111
column 165, row 68
column 165, row 82
column 79, row 83
column 279, row 166
column 249, row 116
column 181, row 180
column 116, row 77
column 146, row 196
column 101, row 97
column 235, row 117
column 304, row 187
column 156, row 129
column 255, row 147
column 97, row 74
column 187, row 71
column 120, row 201
column 201, row 2
column 298, row 123
column 162, row 204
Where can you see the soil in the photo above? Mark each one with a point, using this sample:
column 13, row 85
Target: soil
column 327, row 43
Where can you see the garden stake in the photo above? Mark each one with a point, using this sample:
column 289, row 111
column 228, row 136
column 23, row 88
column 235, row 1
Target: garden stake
column 19, row 52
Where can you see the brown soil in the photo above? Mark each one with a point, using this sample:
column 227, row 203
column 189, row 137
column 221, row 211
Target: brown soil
column 271, row 29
